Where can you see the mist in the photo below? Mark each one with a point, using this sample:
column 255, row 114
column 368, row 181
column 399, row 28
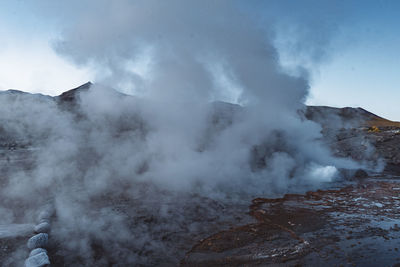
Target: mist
column 205, row 119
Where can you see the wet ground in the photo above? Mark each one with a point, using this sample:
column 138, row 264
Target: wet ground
column 357, row 225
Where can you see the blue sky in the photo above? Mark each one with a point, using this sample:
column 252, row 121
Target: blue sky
column 353, row 50
column 365, row 68
column 27, row 59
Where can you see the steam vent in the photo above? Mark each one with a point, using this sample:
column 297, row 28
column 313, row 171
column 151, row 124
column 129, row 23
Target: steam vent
column 345, row 218
column 199, row 133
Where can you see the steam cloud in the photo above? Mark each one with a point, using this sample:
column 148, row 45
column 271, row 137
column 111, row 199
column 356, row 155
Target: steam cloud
column 135, row 179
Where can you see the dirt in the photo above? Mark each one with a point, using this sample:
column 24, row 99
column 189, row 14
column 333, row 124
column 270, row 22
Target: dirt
column 358, row 225
column 354, row 223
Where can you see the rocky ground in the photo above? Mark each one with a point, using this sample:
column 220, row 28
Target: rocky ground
column 357, row 225
column 361, row 135
column 355, row 222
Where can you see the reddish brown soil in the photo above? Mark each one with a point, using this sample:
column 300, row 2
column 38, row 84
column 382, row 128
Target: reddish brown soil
column 357, row 225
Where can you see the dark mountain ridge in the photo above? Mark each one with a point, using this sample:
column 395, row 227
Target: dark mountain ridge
column 345, row 130
column 324, row 115
column 349, row 132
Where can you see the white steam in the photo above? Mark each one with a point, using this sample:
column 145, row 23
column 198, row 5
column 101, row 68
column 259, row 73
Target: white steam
column 134, row 176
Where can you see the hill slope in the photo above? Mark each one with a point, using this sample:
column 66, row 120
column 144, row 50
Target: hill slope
column 329, row 116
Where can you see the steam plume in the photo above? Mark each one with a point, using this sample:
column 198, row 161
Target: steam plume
column 131, row 176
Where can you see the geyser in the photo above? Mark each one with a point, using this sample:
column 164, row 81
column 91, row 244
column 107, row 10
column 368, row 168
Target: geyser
column 134, row 179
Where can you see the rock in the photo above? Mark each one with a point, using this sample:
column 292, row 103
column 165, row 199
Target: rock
column 44, row 215
column 360, row 174
column 43, row 227
column 351, row 174
column 38, row 241
column 38, row 260
column 37, row 251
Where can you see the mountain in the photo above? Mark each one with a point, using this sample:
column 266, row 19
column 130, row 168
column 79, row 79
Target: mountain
column 330, row 117
column 71, row 95
column 116, row 220
column 349, row 132
column 351, row 116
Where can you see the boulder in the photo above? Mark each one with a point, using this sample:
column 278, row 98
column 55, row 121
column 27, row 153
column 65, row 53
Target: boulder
column 38, row 241
column 38, row 260
column 44, row 215
column 37, row 251
column 43, row 227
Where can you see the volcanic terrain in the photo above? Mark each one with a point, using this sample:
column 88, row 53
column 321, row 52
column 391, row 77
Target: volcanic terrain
column 353, row 221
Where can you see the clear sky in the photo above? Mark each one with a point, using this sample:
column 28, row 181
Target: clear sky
column 353, row 48
column 27, row 59
column 365, row 69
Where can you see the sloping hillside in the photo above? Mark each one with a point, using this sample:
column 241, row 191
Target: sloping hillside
column 333, row 117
